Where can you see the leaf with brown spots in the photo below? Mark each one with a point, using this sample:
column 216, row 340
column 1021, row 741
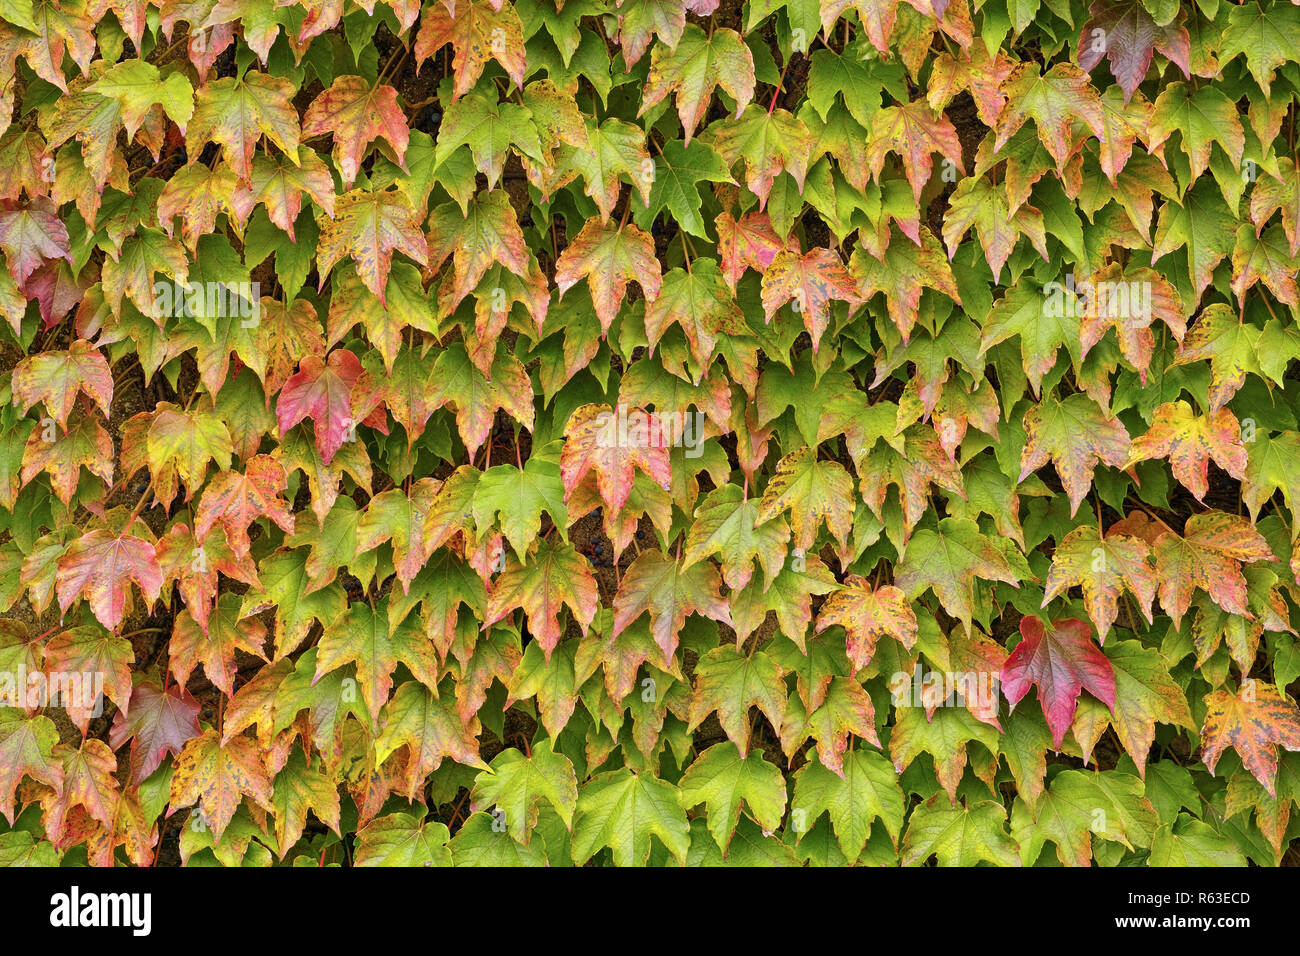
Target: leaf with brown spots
column 1255, row 721
column 55, row 378
column 1075, row 434
column 1189, row 441
column 867, row 614
column 218, row 776
column 235, row 500
column 1103, row 568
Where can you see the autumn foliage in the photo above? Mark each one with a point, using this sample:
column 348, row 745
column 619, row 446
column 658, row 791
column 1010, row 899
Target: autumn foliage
column 626, row 432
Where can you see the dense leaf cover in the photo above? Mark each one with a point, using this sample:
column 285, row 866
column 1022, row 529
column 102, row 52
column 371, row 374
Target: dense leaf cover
column 659, row 432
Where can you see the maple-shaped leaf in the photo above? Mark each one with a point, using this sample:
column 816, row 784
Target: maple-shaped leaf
column 366, row 638
column 1255, row 721
column 1204, row 224
column 693, row 68
column 369, row 226
column 943, row 733
column 1203, row 117
column 1110, row 805
column 678, row 171
column 1144, row 695
column 1189, row 441
column 812, row 491
column 622, row 810
column 867, row 614
column 398, row 516
column 279, row 185
column 1055, row 100
column 964, row 834
column 478, row 31
column 30, row 235
column 215, row 647
column 430, row 730
column 809, row 281
column 700, row 302
column 609, row 256
column 357, row 114
column 914, row 132
column 1264, row 257
column 303, row 784
column 477, row 397
column 1075, row 434
column 486, row 232
column 217, row 776
column 1267, row 37
column 1061, row 660
column 729, row 682
column 198, row 195
column 1208, row 555
column 100, row 565
column 901, row 273
column 726, row 524
column 517, row 784
column 92, row 650
column 88, row 783
column 403, row 839
column 554, row 574
column 723, row 779
column 1102, row 568
column 769, row 142
column 26, row 749
column 491, row 130
column 978, row 204
column 159, row 723
column 661, row 585
column 321, row 390
column 1128, row 38
column 56, row 377
column 948, row 559
column 592, row 441
column 749, row 242
column 1229, row 345
column 1041, row 331
column 179, row 443
column 235, row 500
column 235, row 112
column 865, row 791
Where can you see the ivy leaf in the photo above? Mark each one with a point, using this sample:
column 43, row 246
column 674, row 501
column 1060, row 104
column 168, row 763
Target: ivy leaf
column 214, row 647
column 217, row 776
column 1268, row 39
column 669, row 591
column 365, row 637
column 477, row 31
column 1075, row 434
column 357, row 114
column 948, row 560
column 518, row 784
column 1202, row 117
column 701, row 304
column 27, row 748
column 321, row 390
column 693, row 69
column 730, row 683
column 1208, row 555
column 623, row 810
column 809, row 281
column 1103, row 568
column 591, row 443
column 369, row 227
column 1230, row 346
column 1129, row 38
column 1255, row 721
column 554, row 574
column 609, row 256
column 55, row 379
column 722, row 780
column 914, row 131
column 160, row 722
column 678, row 171
column 299, row 786
column 1054, row 100
column 769, row 143
column 236, row 500
column 235, row 112
column 100, row 565
column 1062, row 661
column 403, row 839
column 1189, row 441
column 962, row 835
column 726, row 525
column 811, row 490
column 430, row 730
column 490, row 130
column 867, row 614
